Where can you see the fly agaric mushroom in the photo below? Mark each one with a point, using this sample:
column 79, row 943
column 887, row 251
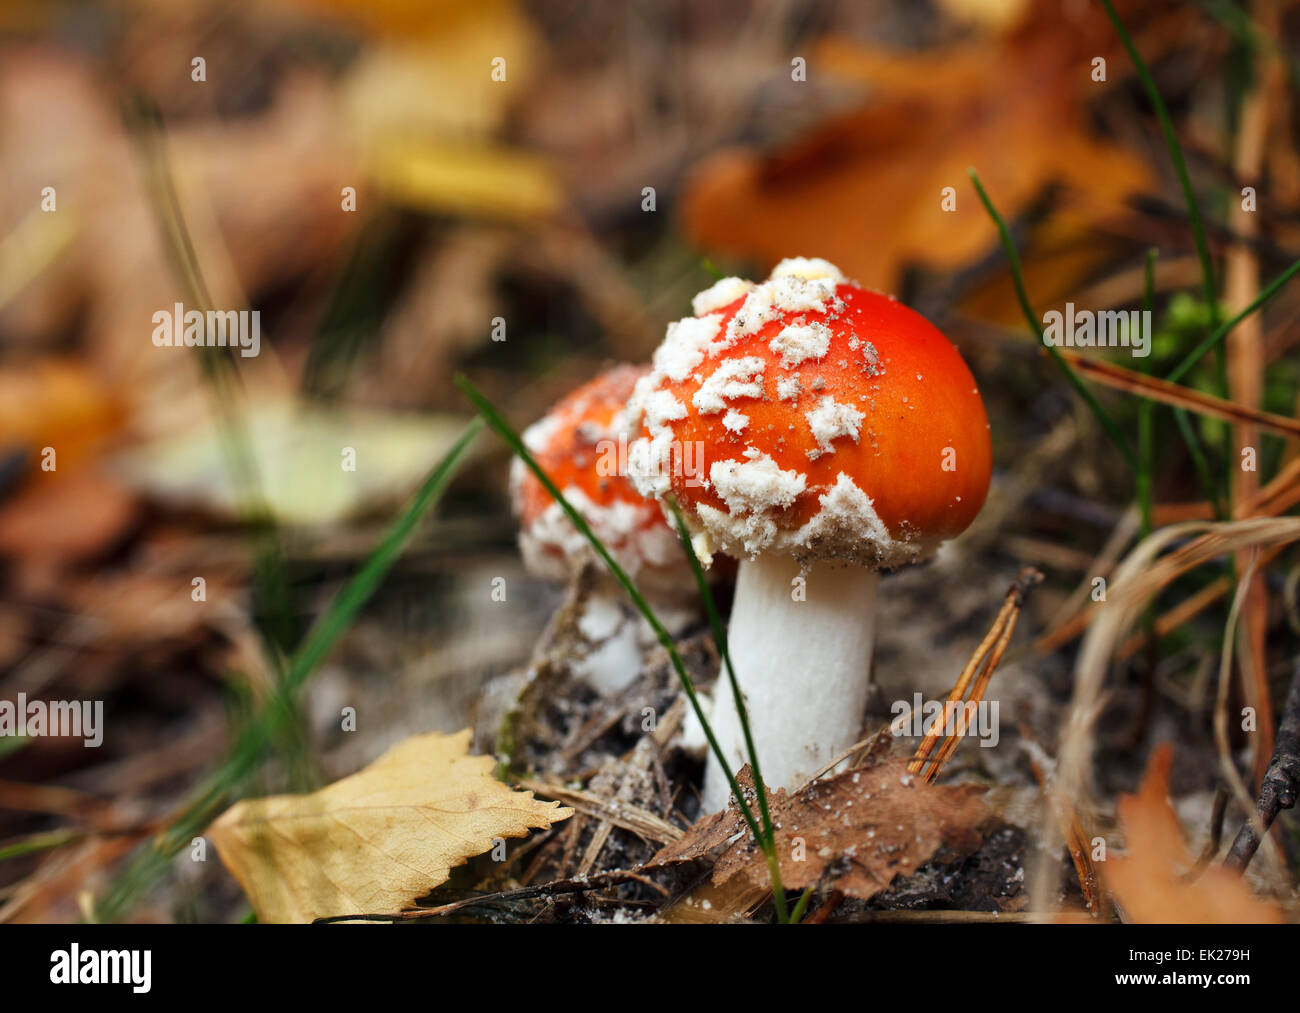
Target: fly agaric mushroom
column 844, row 435
column 581, row 445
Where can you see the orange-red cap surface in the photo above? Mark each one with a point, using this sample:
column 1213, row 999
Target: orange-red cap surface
column 831, row 422
column 582, row 446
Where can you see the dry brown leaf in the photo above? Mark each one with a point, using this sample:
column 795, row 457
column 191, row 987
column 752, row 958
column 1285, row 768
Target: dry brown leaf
column 865, row 190
column 260, row 195
column 1147, row 881
column 379, row 839
column 472, row 180
column 58, row 519
column 706, row 904
column 56, row 402
column 861, row 828
column 133, row 607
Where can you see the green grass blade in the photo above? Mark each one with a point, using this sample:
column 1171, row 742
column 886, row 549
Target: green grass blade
column 1217, row 337
column 796, row 915
column 1209, row 286
column 503, row 429
column 1176, row 155
column 1017, row 276
column 709, row 266
column 1146, row 428
column 33, row 843
column 277, row 623
column 343, row 610
column 742, row 712
column 1214, row 491
column 254, row 739
column 1200, row 461
column 1146, row 410
column 1146, row 453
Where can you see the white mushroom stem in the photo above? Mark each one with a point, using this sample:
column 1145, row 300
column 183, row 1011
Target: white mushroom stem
column 613, row 658
column 803, row 666
column 615, row 637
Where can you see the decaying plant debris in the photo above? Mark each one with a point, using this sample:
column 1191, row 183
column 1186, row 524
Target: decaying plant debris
column 874, row 836
column 874, row 832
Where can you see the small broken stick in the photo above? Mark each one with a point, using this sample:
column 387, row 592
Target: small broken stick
column 1280, row 786
column 988, row 655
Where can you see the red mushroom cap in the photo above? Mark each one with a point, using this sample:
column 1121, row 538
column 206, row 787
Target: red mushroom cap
column 835, row 422
column 581, row 444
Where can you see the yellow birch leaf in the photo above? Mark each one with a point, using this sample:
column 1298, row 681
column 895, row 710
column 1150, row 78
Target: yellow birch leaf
column 377, row 840
column 314, row 466
column 473, row 180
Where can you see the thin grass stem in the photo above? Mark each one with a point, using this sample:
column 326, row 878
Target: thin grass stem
column 497, row 422
column 254, row 738
column 1017, row 276
column 720, row 639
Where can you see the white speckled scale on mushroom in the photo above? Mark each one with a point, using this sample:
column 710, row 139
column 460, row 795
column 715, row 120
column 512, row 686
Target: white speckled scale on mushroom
column 579, row 445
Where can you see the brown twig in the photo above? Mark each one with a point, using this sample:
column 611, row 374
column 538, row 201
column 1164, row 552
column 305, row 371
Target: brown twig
column 1280, row 786
column 982, row 683
column 1278, row 496
column 1076, row 840
column 986, row 658
column 1157, row 389
column 571, row 838
column 554, row 839
column 621, row 814
column 578, row 885
column 1246, row 364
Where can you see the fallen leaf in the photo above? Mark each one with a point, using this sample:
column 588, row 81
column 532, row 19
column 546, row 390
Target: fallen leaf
column 58, row 519
column 379, row 839
column 127, row 607
column 426, row 102
column 307, row 477
column 706, row 904
column 862, row 829
column 55, row 402
column 472, row 180
column 1147, row 881
column 988, row 14
column 865, row 190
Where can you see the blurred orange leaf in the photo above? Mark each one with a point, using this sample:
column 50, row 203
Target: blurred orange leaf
column 55, row 403
column 1147, row 881
column 59, row 519
column 867, row 189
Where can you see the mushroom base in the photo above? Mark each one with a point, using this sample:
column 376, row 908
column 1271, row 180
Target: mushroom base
column 802, row 657
column 614, row 637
